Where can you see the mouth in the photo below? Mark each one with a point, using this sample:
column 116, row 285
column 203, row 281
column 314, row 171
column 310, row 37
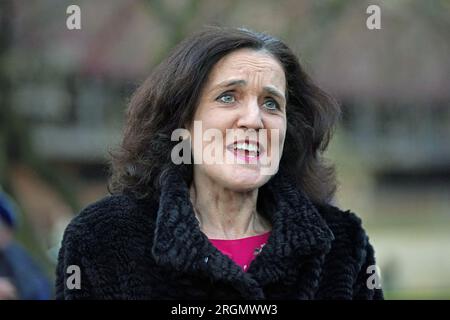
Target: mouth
column 248, row 150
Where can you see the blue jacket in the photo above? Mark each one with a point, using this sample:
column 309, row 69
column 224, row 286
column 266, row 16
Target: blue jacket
column 29, row 280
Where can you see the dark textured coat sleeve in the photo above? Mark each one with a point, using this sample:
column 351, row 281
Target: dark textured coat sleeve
column 349, row 262
column 364, row 288
column 73, row 252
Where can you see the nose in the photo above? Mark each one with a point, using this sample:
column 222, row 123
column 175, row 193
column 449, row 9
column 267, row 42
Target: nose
column 251, row 117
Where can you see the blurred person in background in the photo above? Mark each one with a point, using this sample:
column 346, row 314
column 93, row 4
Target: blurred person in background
column 20, row 276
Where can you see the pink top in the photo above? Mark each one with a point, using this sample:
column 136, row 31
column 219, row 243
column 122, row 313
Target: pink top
column 242, row 251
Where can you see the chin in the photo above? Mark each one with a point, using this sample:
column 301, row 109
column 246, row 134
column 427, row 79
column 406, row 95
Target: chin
column 243, row 179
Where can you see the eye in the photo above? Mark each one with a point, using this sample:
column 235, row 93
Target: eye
column 226, row 97
column 271, row 104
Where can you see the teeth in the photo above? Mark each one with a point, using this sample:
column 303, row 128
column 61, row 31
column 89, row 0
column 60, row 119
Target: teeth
column 246, row 146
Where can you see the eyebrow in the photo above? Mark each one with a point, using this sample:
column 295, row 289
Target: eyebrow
column 231, row 83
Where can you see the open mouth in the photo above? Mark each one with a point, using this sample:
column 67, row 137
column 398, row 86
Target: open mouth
column 246, row 149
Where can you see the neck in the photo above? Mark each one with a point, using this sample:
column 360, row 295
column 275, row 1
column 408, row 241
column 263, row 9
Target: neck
column 224, row 213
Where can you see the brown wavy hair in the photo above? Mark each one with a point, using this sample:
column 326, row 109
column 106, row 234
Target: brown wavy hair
column 168, row 98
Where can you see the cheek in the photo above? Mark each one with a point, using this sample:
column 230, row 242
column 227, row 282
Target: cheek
column 282, row 136
column 280, row 126
column 216, row 118
column 207, row 124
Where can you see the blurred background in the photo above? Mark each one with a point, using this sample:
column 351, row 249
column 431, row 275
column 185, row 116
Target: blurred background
column 63, row 94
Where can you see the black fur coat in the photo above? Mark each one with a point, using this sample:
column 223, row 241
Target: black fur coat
column 127, row 248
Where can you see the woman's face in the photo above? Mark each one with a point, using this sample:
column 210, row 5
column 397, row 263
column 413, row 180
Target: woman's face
column 245, row 90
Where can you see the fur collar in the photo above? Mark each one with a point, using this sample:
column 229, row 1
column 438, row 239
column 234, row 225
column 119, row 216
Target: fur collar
column 299, row 240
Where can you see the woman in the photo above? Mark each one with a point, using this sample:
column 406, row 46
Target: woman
column 257, row 227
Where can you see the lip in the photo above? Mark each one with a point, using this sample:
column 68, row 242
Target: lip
column 247, row 159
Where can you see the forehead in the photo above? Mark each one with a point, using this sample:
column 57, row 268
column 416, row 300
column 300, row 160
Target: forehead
column 248, row 64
